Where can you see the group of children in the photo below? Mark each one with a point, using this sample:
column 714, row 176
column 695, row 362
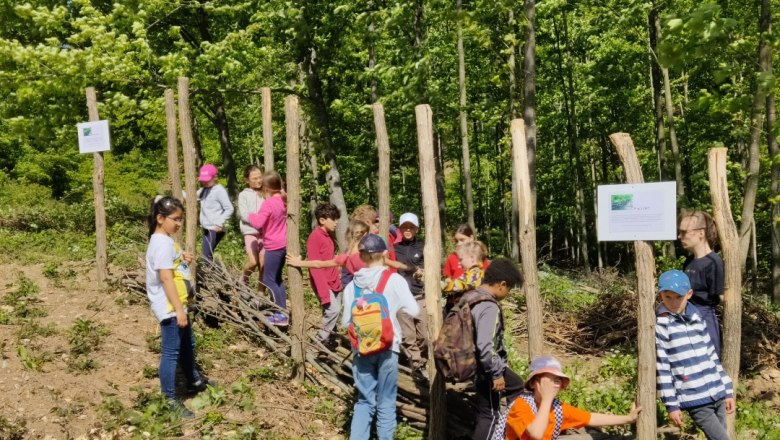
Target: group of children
column 690, row 376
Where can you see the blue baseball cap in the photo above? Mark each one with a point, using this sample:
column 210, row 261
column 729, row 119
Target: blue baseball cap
column 674, row 281
column 372, row 244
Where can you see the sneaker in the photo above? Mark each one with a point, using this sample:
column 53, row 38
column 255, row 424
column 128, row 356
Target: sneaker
column 182, row 410
column 200, row 385
column 279, row 320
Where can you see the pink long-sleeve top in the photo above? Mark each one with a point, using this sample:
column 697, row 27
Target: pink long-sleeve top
column 272, row 219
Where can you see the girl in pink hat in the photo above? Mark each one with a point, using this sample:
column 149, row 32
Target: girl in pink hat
column 215, row 209
column 539, row 415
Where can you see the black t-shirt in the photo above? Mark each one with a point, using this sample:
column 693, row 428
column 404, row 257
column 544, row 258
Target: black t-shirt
column 706, row 275
column 411, row 253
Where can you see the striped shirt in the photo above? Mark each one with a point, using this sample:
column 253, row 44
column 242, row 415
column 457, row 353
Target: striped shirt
column 688, row 371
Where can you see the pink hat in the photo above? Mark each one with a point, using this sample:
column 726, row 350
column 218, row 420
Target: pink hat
column 207, row 172
column 547, row 364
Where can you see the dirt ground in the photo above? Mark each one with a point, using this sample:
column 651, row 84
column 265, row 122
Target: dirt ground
column 57, row 404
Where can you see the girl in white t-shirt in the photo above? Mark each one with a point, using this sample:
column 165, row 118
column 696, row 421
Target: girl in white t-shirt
column 168, row 288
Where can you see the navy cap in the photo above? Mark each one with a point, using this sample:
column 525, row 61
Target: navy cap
column 372, row 244
column 674, row 281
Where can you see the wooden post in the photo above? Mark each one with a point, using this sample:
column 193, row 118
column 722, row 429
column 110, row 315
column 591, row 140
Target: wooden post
column 645, row 283
column 527, row 239
column 268, row 130
column 383, row 188
column 732, row 270
column 190, row 171
column 294, row 277
column 173, row 144
column 98, row 176
column 437, row 413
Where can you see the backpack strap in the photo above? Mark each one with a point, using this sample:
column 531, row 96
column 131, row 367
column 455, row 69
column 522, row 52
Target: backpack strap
column 380, row 288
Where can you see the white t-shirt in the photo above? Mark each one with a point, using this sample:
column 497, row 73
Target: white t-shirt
column 163, row 253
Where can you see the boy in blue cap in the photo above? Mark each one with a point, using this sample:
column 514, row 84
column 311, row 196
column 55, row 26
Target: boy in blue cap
column 688, row 371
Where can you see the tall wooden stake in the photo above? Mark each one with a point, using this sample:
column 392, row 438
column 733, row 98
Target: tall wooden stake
column 98, row 176
column 268, row 130
column 383, row 145
column 645, row 282
column 527, row 239
column 294, row 277
column 732, row 270
column 437, row 413
column 173, row 144
column 190, row 169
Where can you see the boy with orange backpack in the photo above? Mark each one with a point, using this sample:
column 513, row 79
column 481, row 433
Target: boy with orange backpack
column 371, row 302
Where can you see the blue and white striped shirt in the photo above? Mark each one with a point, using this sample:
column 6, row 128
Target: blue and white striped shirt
column 688, row 371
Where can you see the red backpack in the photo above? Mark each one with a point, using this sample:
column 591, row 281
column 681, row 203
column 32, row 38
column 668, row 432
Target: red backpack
column 371, row 329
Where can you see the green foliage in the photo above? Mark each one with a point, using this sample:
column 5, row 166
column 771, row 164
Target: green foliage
column 211, row 397
column 214, row 340
column 262, row 374
column 30, row 329
column 86, row 336
column 32, row 359
column 759, row 419
column 22, row 303
column 16, row 430
column 562, row 294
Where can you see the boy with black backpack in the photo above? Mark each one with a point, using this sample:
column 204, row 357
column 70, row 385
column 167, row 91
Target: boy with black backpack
column 493, row 377
column 371, row 302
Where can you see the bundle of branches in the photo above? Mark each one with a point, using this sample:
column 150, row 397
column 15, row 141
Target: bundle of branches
column 221, row 296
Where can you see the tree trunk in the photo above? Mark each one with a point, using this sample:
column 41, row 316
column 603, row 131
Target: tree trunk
column 529, row 100
column 294, row 276
column 464, row 131
column 673, row 134
column 774, row 151
column 98, row 177
column 383, row 186
column 645, row 265
column 654, row 31
column 190, row 170
column 320, row 110
column 437, row 414
column 527, row 238
column 268, row 129
column 173, row 144
column 732, row 270
column 225, row 145
column 751, row 182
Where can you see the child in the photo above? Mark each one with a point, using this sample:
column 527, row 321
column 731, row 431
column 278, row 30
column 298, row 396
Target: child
column 272, row 219
column 688, row 371
column 215, row 209
column 249, row 202
column 376, row 375
column 471, row 257
column 326, row 282
column 350, row 261
column 409, row 252
column 168, row 286
column 494, row 378
column 698, row 235
column 533, row 415
column 452, row 268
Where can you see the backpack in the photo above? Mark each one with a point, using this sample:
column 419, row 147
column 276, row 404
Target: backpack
column 455, row 349
column 371, row 330
column 557, row 408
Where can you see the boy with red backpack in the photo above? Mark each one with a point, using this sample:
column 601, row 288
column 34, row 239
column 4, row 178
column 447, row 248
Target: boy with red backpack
column 371, row 302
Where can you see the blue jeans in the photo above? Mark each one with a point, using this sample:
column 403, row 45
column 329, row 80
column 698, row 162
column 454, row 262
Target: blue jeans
column 711, row 419
column 272, row 275
column 376, row 380
column 178, row 347
column 211, row 239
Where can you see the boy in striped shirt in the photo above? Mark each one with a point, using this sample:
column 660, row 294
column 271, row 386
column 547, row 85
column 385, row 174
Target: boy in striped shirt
column 689, row 374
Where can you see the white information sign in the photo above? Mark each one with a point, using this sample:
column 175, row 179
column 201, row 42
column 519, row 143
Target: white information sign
column 93, row 137
column 646, row 211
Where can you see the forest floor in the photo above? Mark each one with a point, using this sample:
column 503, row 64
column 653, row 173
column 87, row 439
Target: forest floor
column 55, row 388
